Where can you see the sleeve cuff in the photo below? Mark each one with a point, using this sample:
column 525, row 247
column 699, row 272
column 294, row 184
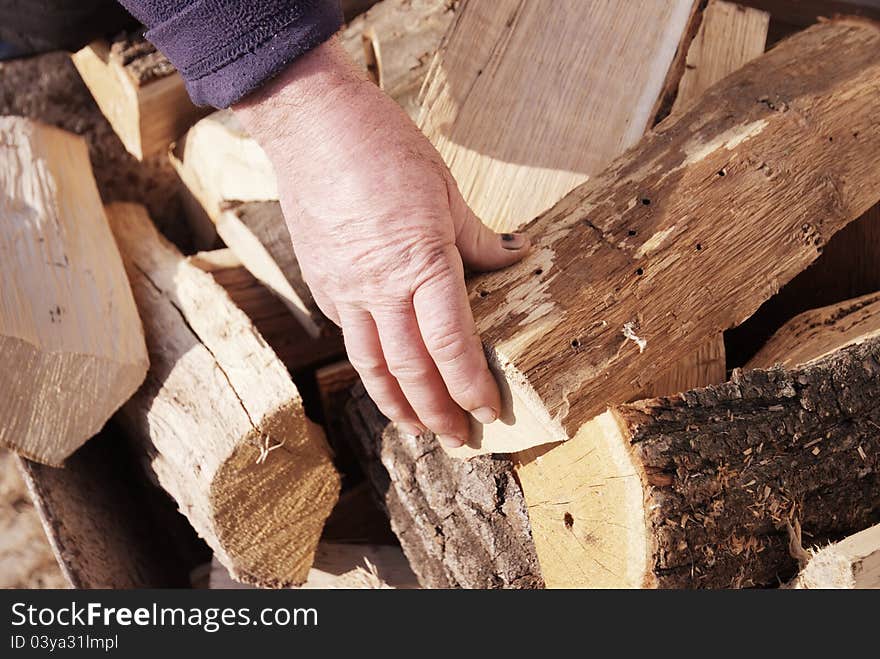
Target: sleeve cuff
column 224, row 51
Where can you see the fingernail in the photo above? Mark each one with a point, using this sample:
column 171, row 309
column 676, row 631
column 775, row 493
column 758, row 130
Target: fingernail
column 513, row 241
column 409, row 429
column 485, row 415
column 449, row 441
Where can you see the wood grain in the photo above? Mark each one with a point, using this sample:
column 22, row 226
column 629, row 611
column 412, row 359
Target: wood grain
column 220, row 423
column 525, row 100
column 71, row 343
column 570, row 328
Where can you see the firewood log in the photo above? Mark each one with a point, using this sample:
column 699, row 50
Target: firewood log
column 71, row 343
column 220, row 421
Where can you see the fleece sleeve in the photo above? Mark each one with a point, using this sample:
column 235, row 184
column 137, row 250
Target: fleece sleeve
column 225, row 49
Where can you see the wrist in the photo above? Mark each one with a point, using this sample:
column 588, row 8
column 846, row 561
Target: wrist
column 322, row 77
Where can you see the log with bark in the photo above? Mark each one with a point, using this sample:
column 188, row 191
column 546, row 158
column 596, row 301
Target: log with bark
column 139, row 91
column 712, row 151
column 71, row 343
column 790, row 137
column 220, row 422
column 462, row 524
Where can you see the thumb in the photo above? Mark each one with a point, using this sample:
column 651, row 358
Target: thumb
column 481, row 248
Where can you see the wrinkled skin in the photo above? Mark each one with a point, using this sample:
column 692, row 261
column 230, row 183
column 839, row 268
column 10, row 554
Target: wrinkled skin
column 383, row 238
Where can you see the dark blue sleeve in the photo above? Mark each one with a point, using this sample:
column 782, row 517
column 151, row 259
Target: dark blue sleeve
column 225, row 49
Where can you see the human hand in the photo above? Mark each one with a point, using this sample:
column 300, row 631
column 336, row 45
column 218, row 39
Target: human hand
column 382, row 236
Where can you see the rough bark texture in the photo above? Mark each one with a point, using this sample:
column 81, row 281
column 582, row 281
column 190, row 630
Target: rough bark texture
column 140, row 59
column 636, row 268
column 461, row 524
column 731, row 463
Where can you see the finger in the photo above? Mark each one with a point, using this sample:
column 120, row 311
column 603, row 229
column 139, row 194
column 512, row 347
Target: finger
column 481, row 248
column 365, row 355
column 450, row 336
column 416, row 374
column 325, row 304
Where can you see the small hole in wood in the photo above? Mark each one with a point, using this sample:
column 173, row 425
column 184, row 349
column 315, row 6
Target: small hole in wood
column 568, row 520
column 640, row 271
column 483, row 293
column 646, row 201
column 539, row 271
column 699, row 246
column 631, row 232
column 722, row 172
column 830, row 139
column 575, row 343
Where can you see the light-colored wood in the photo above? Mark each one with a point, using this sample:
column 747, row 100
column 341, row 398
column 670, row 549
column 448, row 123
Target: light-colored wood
column 854, row 562
column 257, row 233
column 26, row 559
column 71, row 343
column 147, row 113
column 220, row 420
column 646, row 495
column 295, row 347
column 526, row 100
column 814, row 334
column 349, row 566
column 399, row 39
column 730, row 36
column 219, row 162
column 572, row 327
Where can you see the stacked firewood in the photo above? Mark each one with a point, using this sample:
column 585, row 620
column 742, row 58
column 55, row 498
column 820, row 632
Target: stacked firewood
column 689, row 357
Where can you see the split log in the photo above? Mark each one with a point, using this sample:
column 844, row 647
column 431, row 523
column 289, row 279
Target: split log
column 399, row 39
column 296, row 349
column 851, row 563
column 221, row 423
column 139, row 91
column 846, row 269
column 257, row 233
column 26, row 559
column 461, row 524
column 729, row 37
column 816, row 333
column 638, row 267
column 107, row 525
column 71, row 343
column 513, row 160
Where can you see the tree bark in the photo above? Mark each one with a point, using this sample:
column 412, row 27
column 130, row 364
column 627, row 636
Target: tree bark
column 790, row 136
column 461, row 524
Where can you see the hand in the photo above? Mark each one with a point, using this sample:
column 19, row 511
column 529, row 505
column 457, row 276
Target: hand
column 383, row 237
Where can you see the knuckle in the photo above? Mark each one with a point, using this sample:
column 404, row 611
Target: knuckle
column 451, row 345
column 368, row 368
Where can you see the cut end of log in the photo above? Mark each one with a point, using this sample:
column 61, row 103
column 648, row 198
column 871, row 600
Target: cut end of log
column 598, row 538
column 274, row 554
